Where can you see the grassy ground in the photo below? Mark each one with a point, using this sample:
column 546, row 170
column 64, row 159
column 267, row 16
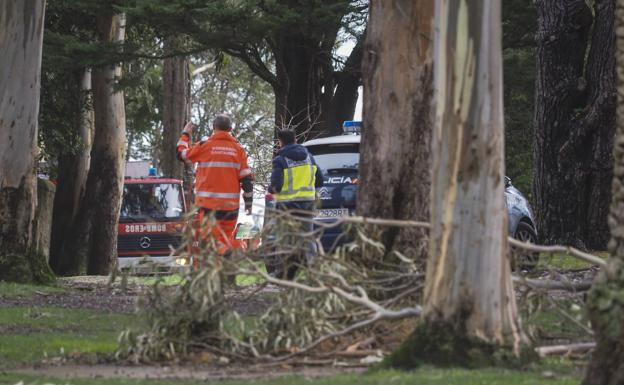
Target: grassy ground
column 16, row 290
column 565, row 262
column 28, row 335
column 426, row 376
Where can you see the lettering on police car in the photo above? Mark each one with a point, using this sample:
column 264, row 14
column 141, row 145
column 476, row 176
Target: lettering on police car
column 339, row 179
column 149, row 228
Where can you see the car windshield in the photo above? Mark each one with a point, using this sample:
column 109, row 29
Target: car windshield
column 151, row 201
column 336, row 157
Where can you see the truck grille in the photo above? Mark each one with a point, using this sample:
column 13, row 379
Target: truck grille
column 148, row 243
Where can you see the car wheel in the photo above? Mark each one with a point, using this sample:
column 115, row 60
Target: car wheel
column 525, row 260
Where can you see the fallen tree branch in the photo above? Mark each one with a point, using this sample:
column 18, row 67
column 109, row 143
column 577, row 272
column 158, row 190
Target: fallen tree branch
column 582, row 347
column 559, row 249
column 548, row 284
column 595, row 260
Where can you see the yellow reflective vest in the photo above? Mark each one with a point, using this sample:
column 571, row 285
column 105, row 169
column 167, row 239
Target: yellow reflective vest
column 299, row 179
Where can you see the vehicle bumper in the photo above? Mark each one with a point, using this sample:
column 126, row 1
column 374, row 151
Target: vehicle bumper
column 151, row 265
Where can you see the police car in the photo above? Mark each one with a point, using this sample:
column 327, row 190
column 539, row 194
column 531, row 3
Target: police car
column 339, row 159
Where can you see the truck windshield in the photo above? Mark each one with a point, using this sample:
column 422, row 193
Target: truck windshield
column 151, row 202
column 336, row 157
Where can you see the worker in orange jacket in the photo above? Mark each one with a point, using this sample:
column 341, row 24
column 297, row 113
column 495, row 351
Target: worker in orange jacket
column 222, row 171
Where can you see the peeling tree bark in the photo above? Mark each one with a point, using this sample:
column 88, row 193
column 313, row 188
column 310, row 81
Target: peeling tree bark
column 398, row 120
column 605, row 304
column 574, row 121
column 96, row 227
column 21, row 37
column 468, row 276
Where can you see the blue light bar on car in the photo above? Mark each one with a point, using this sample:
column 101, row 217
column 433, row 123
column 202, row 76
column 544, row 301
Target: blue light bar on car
column 352, row 127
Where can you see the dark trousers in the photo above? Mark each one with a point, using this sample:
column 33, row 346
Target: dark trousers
column 304, row 210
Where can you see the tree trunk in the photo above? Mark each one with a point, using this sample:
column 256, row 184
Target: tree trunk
column 310, row 96
column 398, row 120
column 605, row 305
column 176, row 107
column 73, row 169
column 21, row 37
column 469, row 307
column 96, row 227
column 574, row 121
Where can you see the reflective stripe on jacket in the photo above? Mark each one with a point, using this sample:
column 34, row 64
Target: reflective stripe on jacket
column 221, row 164
column 299, row 181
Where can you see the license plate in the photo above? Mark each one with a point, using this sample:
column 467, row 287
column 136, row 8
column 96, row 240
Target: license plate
column 331, row 213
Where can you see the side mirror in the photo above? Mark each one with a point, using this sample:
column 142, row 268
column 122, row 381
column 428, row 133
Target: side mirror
column 507, row 181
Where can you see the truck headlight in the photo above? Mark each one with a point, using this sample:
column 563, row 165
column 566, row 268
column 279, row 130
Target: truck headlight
column 181, row 261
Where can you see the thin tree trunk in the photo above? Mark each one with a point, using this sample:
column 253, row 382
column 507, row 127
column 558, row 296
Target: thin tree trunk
column 574, row 121
column 73, row 171
column 469, row 306
column 96, row 226
column 176, row 107
column 606, row 308
column 398, row 120
column 21, row 37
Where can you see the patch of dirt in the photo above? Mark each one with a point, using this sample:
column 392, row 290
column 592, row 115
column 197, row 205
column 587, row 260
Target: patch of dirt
column 95, row 293
column 92, row 293
column 202, row 373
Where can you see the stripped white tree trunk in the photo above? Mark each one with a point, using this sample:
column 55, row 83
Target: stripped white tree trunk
column 21, row 37
column 468, row 275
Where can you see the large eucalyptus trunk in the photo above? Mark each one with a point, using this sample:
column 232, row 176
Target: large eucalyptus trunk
column 574, row 121
column 21, row 37
column 310, row 96
column 469, row 303
column 606, row 309
column 73, row 169
column 468, row 276
column 176, row 107
column 96, row 227
column 398, row 120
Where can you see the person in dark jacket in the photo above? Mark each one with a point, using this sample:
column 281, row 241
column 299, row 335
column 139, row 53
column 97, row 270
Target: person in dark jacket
column 294, row 180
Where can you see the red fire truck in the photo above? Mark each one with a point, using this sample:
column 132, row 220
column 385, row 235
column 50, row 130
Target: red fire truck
column 151, row 222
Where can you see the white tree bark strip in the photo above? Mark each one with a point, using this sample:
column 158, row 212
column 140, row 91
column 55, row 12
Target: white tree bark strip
column 469, row 275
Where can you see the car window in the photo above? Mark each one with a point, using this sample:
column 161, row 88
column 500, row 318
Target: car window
column 337, row 156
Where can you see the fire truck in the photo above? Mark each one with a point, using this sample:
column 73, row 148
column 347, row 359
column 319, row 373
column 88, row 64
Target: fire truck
column 151, row 221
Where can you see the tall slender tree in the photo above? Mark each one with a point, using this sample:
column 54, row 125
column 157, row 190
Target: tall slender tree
column 21, row 37
column 176, row 105
column 398, row 119
column 574, row 121
column 73, row 168
column 606, row 307
column 96, row 227
column 469, row 304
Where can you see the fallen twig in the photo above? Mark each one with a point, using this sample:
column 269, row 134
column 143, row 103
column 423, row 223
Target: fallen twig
column 582, row 347
column 559, row 249
column 548, row 284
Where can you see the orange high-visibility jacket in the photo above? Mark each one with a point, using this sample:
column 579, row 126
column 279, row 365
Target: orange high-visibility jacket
column 221, row 165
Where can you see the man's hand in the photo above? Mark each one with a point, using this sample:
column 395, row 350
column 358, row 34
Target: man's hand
column 188, row 129
column 248, row 209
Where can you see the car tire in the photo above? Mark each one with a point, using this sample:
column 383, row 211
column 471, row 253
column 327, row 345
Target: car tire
column 525, row 260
